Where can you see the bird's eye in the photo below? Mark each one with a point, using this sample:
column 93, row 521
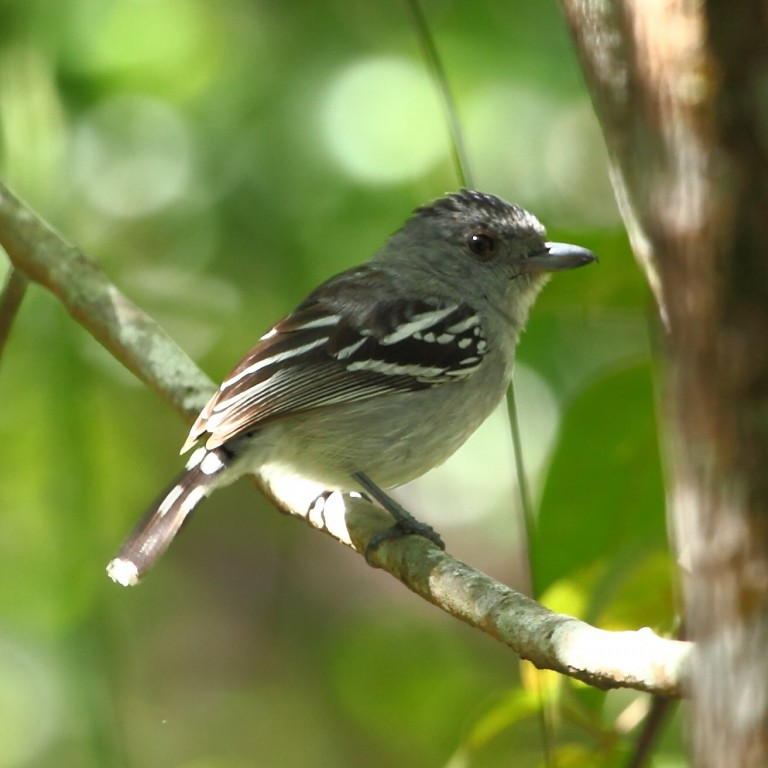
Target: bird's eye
column 481, row 244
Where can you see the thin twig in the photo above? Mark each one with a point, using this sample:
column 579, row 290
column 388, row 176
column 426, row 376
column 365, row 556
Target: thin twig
column 462, row 168
column 655, row 720
column 653, row 723
column 436, row 69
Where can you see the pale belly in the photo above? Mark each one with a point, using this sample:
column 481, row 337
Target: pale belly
column 392, row 439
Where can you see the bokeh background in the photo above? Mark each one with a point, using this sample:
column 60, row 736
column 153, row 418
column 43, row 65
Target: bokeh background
column 219, row 158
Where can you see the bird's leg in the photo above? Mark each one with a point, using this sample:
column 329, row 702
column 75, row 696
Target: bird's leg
column 405, row 523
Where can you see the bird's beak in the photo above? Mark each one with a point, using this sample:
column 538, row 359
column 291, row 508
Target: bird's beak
column 557, row 257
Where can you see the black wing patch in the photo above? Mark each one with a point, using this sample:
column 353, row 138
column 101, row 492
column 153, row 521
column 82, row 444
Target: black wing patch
column 336, row 348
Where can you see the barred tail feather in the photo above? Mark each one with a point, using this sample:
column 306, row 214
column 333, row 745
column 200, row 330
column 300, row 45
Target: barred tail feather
column 157, row 529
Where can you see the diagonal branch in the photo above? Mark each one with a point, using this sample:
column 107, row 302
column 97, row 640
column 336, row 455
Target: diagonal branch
column 124, row 329
column 639, row 660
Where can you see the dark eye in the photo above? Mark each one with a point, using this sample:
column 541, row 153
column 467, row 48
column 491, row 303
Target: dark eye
column 481, row 244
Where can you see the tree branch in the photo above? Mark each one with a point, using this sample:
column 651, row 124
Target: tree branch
column 639, row 660
column 124, row 329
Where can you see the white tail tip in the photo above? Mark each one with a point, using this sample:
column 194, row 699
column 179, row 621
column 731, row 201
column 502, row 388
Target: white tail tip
column 123, row 572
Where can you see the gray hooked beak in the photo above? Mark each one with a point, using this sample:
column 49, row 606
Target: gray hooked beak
column 558, row 256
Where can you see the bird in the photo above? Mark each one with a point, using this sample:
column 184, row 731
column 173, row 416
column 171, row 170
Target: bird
column 378, row 376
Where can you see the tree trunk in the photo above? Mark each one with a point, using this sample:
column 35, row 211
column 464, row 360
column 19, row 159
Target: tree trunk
column 681, row 90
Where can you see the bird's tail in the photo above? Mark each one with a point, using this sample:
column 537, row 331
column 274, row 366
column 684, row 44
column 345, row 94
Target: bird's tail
column 157, row 529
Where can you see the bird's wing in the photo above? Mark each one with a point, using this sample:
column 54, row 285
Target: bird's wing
column 338, row 347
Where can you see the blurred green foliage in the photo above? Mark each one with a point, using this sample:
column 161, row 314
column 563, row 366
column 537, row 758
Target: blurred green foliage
column 219, row 159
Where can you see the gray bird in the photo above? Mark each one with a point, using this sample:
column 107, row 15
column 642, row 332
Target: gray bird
column 378, row 376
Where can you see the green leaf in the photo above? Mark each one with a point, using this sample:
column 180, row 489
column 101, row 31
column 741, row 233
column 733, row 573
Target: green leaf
column 603, row 503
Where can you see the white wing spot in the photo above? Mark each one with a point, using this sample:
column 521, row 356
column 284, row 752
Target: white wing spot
column 345, row 352
column 196, row 458
column 249, row 393
column 393, row 369
column 211, row 464
column 320, row 322
column 465, row 325
column 279, row 357
column 464, row 343
column 418, row 323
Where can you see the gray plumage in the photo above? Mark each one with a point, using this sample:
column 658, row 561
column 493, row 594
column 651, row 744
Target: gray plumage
column 385, row 369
